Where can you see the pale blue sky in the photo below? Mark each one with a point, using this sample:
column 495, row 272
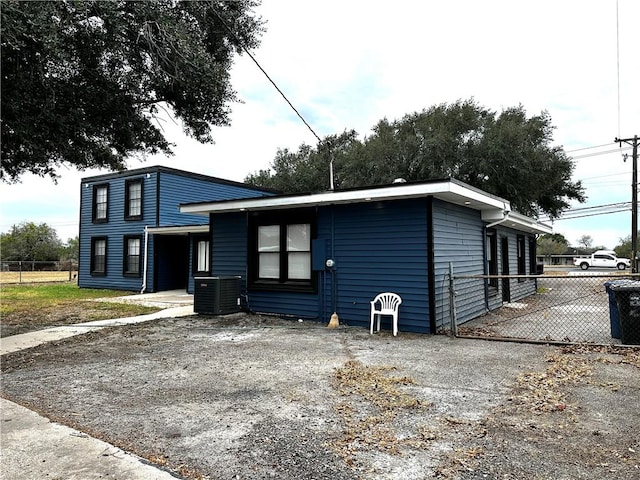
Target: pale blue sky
column 348, row 64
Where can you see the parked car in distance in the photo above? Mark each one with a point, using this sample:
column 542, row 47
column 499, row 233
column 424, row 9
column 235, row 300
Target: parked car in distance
column 602, row 259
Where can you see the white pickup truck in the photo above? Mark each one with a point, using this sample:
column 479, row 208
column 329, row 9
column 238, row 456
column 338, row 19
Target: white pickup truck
column 602, row 259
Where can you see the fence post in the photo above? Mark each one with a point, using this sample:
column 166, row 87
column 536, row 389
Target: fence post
column 20, row 271
column 452, row 302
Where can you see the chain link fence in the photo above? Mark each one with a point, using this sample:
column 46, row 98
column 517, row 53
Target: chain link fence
column 28, row 271
column 563, row 309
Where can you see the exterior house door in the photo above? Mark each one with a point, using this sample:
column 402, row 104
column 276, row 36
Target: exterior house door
column 506, row 286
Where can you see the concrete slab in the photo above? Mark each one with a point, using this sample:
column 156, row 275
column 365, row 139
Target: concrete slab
column 34, row 447
column 15, row 343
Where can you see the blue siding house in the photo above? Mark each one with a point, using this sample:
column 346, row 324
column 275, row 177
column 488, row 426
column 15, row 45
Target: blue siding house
column 133, row 236
column 307, row 256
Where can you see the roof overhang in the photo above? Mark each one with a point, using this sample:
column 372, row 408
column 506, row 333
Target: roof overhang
column 449, row 190
column 516, row 221
column 493, row 208
column 179, row 230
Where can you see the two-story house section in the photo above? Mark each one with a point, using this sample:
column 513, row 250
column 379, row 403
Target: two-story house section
column 133, row 236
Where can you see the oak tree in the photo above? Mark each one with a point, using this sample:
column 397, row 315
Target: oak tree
column 509, row 154
column 83, row 82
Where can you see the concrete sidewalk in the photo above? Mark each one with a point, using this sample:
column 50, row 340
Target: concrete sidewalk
column 15, row 343
column 33, row 447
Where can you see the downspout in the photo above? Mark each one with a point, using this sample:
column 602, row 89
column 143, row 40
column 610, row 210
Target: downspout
column 144, row 267
column 334, row 286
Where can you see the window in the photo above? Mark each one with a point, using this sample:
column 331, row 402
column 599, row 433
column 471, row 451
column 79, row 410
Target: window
column 269, row 251
column 133, row 200
column 99, row 256
column 492, row 260
column 299, row 251
column 522, row 265
column 132, row 257
column 280, row 252
column 100, row 203
column 201, row 255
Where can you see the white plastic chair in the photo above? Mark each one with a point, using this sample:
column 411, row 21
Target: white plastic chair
column 389, row 304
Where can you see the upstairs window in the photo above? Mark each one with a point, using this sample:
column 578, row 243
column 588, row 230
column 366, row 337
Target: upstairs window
column 132, row 257
column 99, row 256
column 133, row 200
column 100, row 203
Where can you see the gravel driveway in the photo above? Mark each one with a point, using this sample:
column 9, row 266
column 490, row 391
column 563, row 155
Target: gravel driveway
column 254, row 397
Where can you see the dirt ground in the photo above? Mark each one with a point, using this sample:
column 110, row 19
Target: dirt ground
column 255, row 397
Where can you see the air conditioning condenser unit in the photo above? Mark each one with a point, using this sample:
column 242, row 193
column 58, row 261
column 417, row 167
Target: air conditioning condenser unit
column 216, row 295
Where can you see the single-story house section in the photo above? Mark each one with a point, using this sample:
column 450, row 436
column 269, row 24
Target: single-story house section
column 133, row 236
column 307, row 256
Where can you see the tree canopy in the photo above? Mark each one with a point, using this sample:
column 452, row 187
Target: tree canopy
column 552, row 244
column 624, row 249
column 83, row 81
column 508, row 154
column 29, row 241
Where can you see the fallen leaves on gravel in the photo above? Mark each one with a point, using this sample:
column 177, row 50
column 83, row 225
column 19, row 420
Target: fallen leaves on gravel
column 374, row 398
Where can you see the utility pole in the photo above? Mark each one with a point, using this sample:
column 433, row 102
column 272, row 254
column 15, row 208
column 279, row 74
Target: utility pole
column 634, row 200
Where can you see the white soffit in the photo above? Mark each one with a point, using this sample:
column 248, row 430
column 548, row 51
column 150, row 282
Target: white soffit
column 516, row 221
column 449, row 191
column 179, row 230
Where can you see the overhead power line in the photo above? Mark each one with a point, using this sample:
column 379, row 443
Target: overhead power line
column 595, row 154
column 246, row 50
column 582, row 212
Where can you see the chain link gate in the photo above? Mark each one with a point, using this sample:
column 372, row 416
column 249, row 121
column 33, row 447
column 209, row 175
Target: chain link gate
column 564, row 309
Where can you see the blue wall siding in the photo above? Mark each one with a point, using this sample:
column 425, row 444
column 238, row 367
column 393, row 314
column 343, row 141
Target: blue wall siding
column 173, row 188
column 114, row 229
column 177, row 189
column 229, row 257
column 458, row 239
column 379, row 247
column 519, row 288
column 228, row 246
column 382, row 247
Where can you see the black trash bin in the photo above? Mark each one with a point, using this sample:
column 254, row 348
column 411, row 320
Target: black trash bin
column 628, row 301
column 614, row 314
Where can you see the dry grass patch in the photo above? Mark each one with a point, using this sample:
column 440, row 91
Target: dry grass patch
column 374, row 399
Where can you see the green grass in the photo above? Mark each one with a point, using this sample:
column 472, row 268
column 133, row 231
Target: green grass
column 32, row 307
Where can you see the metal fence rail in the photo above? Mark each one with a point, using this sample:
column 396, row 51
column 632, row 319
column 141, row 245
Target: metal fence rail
column 565, row 308
column 28, row 271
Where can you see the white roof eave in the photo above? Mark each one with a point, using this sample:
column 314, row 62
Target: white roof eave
column 493, row 208
column 447, row 191
column 180, row 229
column 516, row 221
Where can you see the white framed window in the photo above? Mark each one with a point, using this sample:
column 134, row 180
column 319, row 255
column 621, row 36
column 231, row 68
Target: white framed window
column 132, row 257
column 133, row 199
column 202, row 256
column 269, row 251
column 100, row 203
column 280, row 251
column 299, row 251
